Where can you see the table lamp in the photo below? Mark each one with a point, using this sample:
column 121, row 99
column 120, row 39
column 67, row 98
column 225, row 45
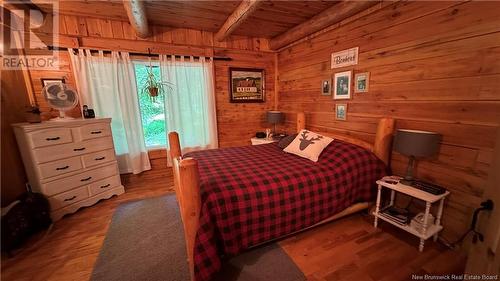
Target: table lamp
column 275, row 117
column 415, row 144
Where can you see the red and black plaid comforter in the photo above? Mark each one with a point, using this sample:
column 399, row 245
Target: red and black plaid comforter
column 256, row 193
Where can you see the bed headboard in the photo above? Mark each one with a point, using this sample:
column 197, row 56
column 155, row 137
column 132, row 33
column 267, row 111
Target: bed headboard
column 383, row 137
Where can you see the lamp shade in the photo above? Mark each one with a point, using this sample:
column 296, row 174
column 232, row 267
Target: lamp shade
column 275, row 117
column 416, row 143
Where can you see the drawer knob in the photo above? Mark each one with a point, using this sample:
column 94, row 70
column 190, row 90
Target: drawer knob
column 52, row 139
column 99, row 158
column 95, row 132
column 86, row 179
column 62, row 168
column 104, row 186
column 71, row 198
column 79, row 149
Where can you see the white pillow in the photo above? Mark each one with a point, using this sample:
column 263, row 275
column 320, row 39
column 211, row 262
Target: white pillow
column 308, row 145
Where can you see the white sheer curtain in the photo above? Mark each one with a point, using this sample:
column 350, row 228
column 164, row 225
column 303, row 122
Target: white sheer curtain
column 190, row 107
column 107, row 84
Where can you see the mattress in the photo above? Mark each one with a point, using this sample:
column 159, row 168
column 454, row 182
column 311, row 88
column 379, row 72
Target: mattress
column 252, row 194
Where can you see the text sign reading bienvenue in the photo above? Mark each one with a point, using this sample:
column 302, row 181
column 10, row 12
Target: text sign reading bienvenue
column 345, row 58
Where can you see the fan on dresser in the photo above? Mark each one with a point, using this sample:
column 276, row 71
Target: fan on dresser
column 61, row 97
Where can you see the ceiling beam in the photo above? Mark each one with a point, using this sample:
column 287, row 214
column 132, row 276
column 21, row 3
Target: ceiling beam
column 332, row 15
column 242, row 12
column 136, row 12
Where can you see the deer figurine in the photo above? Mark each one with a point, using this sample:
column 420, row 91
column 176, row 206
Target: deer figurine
column 304, row 142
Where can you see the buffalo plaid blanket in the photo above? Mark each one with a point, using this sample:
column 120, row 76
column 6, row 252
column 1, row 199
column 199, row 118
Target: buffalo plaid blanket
column 253, row 194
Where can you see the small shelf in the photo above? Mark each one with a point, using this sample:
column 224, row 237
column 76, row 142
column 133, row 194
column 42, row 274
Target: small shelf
column 413, row 192
column 431, row 229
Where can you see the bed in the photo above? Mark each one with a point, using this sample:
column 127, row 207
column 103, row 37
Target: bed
column 233, row 199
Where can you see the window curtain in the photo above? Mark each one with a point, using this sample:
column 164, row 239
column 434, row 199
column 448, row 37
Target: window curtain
column 107, row 84
column 190, row 106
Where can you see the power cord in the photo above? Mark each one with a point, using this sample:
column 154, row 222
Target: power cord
column 485, row 206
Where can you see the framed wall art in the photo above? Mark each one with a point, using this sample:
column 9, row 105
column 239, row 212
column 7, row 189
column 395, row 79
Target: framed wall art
column 342, row 85
column 361, row 82
column 326, row 87
column 47, row 81
column 246, row 85
column 341, row 111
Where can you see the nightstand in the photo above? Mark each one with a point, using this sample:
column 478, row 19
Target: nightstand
column 257, row 141
column 427, row 230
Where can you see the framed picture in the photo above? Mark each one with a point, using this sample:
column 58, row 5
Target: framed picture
column 342, row 85
column 246, row 85
column 341, row 111
column 47, row 81
column 361, row 82
column 326, row 87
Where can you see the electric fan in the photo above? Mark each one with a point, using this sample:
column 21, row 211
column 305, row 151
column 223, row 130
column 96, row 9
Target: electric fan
column 61, row 97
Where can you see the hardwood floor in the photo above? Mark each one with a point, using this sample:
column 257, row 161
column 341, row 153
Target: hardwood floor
column 352, row 249
column 347, row 249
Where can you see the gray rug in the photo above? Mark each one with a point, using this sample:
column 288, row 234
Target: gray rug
column 145, row 241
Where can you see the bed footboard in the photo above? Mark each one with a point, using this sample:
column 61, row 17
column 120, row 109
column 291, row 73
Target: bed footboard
column 187, row 191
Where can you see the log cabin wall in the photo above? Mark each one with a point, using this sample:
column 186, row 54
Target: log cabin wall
column 13, row 108
column 433, row 66
column 117, row 35
column 237, row 122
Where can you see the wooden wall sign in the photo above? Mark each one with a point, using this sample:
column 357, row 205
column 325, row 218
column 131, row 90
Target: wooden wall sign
column 246, row 85
column 345, row 58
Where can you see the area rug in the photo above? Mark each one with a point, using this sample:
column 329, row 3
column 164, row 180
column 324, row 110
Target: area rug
column 145, row 241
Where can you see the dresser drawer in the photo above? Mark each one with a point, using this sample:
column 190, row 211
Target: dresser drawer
column 59, row 167
column 51, row 153
column 50, row 137
column 68, row 197
column 103, row 185
column 98, row 157
column 95, row 130
column 84, row 178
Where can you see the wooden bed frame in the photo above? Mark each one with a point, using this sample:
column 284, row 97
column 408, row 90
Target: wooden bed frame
column 187, row 189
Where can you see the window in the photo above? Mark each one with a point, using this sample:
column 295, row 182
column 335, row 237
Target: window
column 189, row 108
column 152, row 113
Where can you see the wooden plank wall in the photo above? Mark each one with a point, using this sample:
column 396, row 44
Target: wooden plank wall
column 231, row 117
column 118, row 35
column 14, row 98
column 237, row 123
column 434, row 66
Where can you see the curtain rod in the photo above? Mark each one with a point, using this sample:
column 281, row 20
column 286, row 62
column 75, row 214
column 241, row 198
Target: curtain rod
column 52, row 48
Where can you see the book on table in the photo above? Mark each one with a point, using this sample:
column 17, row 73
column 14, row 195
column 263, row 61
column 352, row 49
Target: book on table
column 398, row 215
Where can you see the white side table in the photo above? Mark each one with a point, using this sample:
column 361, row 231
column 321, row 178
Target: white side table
column 257, row 141
column 428, row 198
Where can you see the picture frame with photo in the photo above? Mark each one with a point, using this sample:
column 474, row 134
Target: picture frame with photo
column 246, row 85
column 47, row 81
column 342, row 85
column 341, row 111
column 326, row 87
column 361, row 82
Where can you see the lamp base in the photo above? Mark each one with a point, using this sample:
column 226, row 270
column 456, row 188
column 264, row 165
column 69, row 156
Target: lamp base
column 408, row 179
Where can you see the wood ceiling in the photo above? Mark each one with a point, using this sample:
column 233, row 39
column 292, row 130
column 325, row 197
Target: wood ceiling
column 254, row 18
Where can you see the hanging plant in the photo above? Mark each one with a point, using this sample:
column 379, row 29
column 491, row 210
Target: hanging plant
column 153, row 86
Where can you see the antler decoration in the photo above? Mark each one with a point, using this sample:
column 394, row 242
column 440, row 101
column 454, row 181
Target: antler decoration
column 304, row 142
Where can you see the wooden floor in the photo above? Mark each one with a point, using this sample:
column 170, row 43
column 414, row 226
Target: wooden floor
column 347, row 249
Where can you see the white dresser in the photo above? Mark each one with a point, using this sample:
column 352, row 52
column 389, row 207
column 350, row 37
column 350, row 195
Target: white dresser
column 71, row 162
